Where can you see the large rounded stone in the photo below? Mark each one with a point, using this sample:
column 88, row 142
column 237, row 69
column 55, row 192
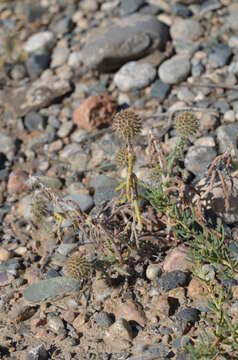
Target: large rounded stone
column 174, row 70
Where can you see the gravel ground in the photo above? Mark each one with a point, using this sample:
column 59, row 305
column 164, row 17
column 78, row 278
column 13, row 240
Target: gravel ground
column 66, row 68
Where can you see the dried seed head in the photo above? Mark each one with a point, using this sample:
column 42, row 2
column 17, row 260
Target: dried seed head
column 121, row 157
column 187, row 124
column 39, row 208
column 127, row 124
column 78, row 267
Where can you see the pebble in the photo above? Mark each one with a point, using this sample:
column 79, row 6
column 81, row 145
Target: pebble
column 175, row 70
column 207, row 272
column 177, row 259
column 34, row 121
column 205, row 141
column 95, row 112
column 153, row 271
column 119, row 336
column 63, row 25
column 40, row 42
column 7, row 146
column 189, row 314
column 37, row 63
column 227, row 136
column 4, row 254
column 198, row 159
column 55, row 323
column 89, row 5
column 59, row 57
column 160, row 90
column 17, row 182
column 221, row 55
column 66, row 249
column 103, row 319
column 230, row 116
column 130, row 6
column 130, row 311
column 101, row 290
column 186, row 29
column 84, row 201
column 181, row 10
column 37, row 353
column 65, row 129
column 104, row 189
column 173, row 279
column 18, row 72
column 134, row 76
column 196, row 291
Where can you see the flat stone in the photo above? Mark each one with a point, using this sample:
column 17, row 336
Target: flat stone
column 175, row 70
column 129, row 38
column 39, row 94
column 40, row 42
column 198, row 159
column 134, row 76
column 51, row 289
column 59, row 57
column 34, row 121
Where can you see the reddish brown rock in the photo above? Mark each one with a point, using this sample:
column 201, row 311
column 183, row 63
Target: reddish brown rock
column 177, row 259
column 17, row 182
column 95, row 113
column 196, row 290
column 128, row 310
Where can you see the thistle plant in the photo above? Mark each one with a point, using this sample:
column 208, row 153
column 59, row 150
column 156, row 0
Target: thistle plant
column 78, row 267
column 127, row 124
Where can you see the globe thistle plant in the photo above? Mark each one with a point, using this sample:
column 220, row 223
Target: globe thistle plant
column 78, row 267
column 127, row 124
column 187, row 124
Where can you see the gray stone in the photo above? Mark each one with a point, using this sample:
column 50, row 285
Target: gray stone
column 6, row 144
column 189, row 315
column 175, row 70
column 59, row 56
column 66, row 249
column 188, row 29
column 128, row 7
column 160, row 90
column 129, row 38
column 79, row 161
column 40, row 42
column 37, row 353
column 55, row 323
column 227, row 136
column 63, row 25
column 39, row 94
column 84, row 201
column 198, row 158
column 34, row 121
column 173, row 279
column 181, row 10
column 65, row 129
column 134, row 76
column 103, row 319
column 51, row 289
column 197, row 70
column 220, row 56
column 18, row 72
column 37, row 63
column 104, row 187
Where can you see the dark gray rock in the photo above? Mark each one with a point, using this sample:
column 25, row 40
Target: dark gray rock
column 220, row 56
column 37, row 63
column 233, row 248
column 160, row 90
column 128, row 7
column 34, row 121
column 189, row 314
column 173, row 279
column 37, row 353
column 52, row 273
column 181, row 10
column 198, row 158
column 129, row 38
column 103, row 319
column 197, row 70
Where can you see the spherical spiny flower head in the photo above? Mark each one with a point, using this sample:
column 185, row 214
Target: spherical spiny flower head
column 78, row 267
column 127, row 124
column 187, row 124
column 121, row 157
